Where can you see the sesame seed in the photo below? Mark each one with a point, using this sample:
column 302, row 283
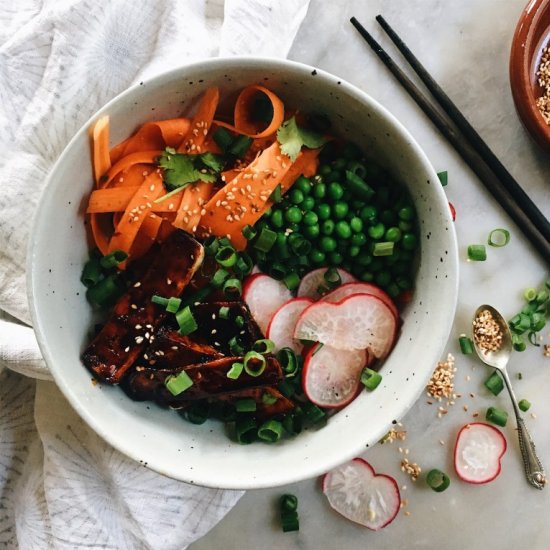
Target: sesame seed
column 127, row 349
column 133, row 306
column 138, row 284
column 139, row 339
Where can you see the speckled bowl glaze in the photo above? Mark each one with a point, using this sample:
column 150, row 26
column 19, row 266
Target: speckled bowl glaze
column 160, row 439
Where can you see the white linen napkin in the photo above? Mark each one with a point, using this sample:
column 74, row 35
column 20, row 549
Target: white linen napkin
column 60, row 60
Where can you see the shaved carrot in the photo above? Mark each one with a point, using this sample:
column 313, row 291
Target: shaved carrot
column 146, row 235
column 100, row 139
column 116, row 199
column 147, row 157
column 191, row 206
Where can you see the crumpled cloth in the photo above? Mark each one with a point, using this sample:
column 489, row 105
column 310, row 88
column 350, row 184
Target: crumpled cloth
column 61, row 486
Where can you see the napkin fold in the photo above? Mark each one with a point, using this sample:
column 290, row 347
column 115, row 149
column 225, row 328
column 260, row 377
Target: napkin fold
column 61, row 486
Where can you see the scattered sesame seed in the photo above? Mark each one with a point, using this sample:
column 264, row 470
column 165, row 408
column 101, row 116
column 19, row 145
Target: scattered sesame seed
column 138, row 284
column 139, row 339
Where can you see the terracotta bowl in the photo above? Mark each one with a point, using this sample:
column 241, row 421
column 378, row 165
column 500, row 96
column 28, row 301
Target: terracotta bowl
column 531, row 36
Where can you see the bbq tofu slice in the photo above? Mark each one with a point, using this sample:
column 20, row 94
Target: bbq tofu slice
column 135, row 318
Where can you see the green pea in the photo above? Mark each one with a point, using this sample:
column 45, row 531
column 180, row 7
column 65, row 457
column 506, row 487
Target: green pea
column 334, row 175
column 340, row 210
column 364, row 258
column 409, row 241
column 387, row 217
column 311, row 231
column 368, row 214
column 406, row 213
column 393, row 234
column 343, row 230
column 327, row 227
column 405, row 226
column 359, row 239
column 335, row 191
column 323, row 211
column 308, row 204
column 335, row 258
column 376, row 231
column 296, row 196
column 366, row 276
column 277, row 219
column 293, row 215
column 328, row 244
column 310, row 218
column 319, row 190
column 317, row 256
column 356, row 224
column 303, row 184
column 353, row 251
column 383, row 278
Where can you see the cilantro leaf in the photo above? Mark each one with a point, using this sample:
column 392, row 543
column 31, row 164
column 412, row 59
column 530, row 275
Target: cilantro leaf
column 291, row 138
column 212, row 161
column 180, row 170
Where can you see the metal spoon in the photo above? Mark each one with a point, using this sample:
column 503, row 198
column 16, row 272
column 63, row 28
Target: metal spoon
column 534, row 470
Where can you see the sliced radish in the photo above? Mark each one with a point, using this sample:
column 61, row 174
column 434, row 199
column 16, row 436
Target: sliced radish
column 281, row 327
column 349, row 289
column 358, row 322
column 264, row 296
column 360, row 495
column 311, row 282
column 331, row 377
column 478, row 450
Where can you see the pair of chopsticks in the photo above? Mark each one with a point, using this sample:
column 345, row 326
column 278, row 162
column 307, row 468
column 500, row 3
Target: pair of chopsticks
column 467, row 142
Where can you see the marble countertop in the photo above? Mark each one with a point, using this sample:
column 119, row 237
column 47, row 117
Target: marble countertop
column 465, row 45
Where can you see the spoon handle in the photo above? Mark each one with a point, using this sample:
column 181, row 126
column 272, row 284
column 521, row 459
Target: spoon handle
column 534, row 470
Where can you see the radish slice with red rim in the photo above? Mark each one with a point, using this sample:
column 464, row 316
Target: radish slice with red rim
column 349, row 289
column 359, row 322
column 478, row 450
column 331, row 378
column 360, row 495
column 264, row 296
column 281, row 327
column 312, row 281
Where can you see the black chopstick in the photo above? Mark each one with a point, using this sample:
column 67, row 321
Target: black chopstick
column 518, row 205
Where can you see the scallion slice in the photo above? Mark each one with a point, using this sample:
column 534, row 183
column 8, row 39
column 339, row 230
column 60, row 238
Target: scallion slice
column 383, row 249
column 179, row 383
column 298, row 244
column 244, row 265
column 358, row 186
column 288, row 360
column 477, row 252
column 232, row 288
column 291, row 280
column 268, row 399
column 370, row 378
column 246, row 430
column 239, row 321
column 530, row 294
column 498, row 237
column 235, row 371
column 313, row 413
column 173, row 304
column 226, row 256
column 245, row 405
column 466, row 345
column 263, row 346
column 186, row 321
column 219, row 278
column 224, row 312
column 518, row 343
column 497, row 416
column 105, row 292
column 289, row 503
column 235, row 347
column 265, row 240
column 211, row 245
column 113, row 259
column 437, row 480
column 254, row 363
column 91, row 273
column 159, row 300
column 494, row 383
column 277, row 194
column 198, row 413
column 443, row 177
column 249, row 232
column 270, row 431
column 332, row 277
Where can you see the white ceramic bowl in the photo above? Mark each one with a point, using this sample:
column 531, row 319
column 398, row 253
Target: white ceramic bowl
column 161, row 439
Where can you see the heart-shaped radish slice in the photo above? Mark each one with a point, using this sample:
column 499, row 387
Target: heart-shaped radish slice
column 349, row 289
column 309, row 285
column 331, row 377
column 281, row 327
column 358, row 322
column 360, row 495
column 264, row 296
column 478, row 450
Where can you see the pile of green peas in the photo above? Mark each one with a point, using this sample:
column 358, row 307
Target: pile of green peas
column 328, row 221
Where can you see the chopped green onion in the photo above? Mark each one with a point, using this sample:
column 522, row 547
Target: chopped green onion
column 524, row 405
column 222, row 410
column 113, row 259
column 173, row 304
column 519, row 376
column 91, row 273
column 233, row 289
column 263, row 346
column 224, row 312
column 383, row 249
column 498, row 237
column 313, row 413
column 179, row 383
column 286, row 388
column 268, row 399
column 223, row 139
column 292, row 423
column 277, row 271
column 477, row 252
column 226, row 256
column 219, row 278
column 249, row 232
column 240, row 146
column 518, row 343
column 289, row 521
column 288, row 360
column 437, row 480
column 239, row 321
column 358, row 186
column 159, row 300
column 244, row 265
column 497, row 416
column 298, row 244
column 532, row 337
column 198, row 296
column 198, row 413
column 235, row 347
column 443, row 177
column 270, row 431
column 186, row 321
column 291, row 280
column 370, row 379
column 277, row 194
column 332, row 277
column 542, row 297
column 235, row 371
column 530, row 294
column 466, row 345
column 245, row 405
column 494, row 383
column 171, row 193
column 265, row 240
column 211, row 245
column 289, row 503
column 254, row 363
column 105, row 292
column 246, row 430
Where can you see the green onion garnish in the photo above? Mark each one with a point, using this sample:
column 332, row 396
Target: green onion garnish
column 211, row 245
column 198, row 296
column 383, row 248
column 291, row 280
column 277, row 194
column 244, row 265
column 232, row 288
column 466, row 345
column 313, row 413
column 289, row 503
column 292, row 423
column 497, row 416
column 443, row 177
column 518, row 342
column 477, row 252
column 254, row 363
column 198, row 413
column 530, row 294
column 524, row 405
column 186, row 321
column 265, row 240
column 235, row 371
column 235, row 347
column 268, row 399
column 224, row 312
column 263, row 346
column 246, row 430
column 532, row 337
column 270, row 431
column 494, row 383
column 288, row 360
column 245, row 405
column 278, row 270
column 239, row 321
column 289, row 521
column 437, row 480
column 358, row 186
column 173, row 304
column 498, row 237
column 105, row 292
column 370, row 378
column 219, row 278
column 113, row 259
column 286, row 388
column 249, row 232
column 179, row 383
column 332, row 277
column 226, row 256
column 298, row 244
column 91, row 273
column 159, row 300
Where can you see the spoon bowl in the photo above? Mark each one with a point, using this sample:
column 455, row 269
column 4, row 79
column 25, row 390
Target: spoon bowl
column 497, row 359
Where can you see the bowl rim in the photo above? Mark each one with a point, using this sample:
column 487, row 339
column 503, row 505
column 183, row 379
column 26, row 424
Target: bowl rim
column 520, row 69
column 449, row 300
